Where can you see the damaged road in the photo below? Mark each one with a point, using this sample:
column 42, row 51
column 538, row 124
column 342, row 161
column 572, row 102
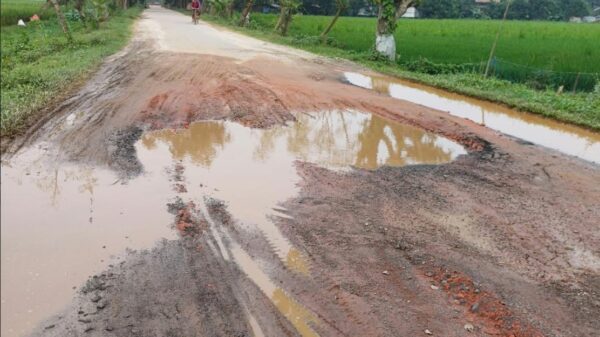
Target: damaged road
column 204, row 183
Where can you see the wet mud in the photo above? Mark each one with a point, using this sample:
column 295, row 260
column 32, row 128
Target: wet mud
column 269, row 198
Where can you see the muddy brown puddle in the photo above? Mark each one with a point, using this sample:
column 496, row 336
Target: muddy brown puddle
column 62, row 223
column 559, row 136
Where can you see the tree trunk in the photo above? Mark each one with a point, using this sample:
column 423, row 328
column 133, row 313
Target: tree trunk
column 280, row 19
column 229, row 9
column 340, row 9
column 61, row 20
column 389, row 12
column 385, row 43
column 402, row 8
column 287, row 18
column 245, row 18
column 79, row 8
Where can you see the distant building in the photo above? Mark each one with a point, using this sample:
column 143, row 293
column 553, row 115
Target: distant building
column 411, row 13
column 270, row 8
column 367, row 11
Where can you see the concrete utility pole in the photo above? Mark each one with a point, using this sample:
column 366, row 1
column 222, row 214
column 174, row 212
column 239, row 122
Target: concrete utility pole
column 493, row 51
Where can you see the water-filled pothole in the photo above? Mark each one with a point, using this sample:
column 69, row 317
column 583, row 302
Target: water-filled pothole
column 559, row 136
column 253, row 170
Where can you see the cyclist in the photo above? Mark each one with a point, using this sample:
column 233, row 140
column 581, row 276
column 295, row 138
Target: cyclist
column 195, row 10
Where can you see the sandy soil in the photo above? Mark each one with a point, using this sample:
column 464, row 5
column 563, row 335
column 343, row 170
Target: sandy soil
column 503, row 241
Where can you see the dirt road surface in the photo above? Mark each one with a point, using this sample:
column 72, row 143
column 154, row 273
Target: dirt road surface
column 204, row 183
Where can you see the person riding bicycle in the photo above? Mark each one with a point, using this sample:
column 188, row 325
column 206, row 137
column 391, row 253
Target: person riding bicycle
column 196, row 6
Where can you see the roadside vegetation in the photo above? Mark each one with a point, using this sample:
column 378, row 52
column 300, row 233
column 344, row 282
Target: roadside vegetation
column 41, row 64
column 549, row 68
column 544, row 45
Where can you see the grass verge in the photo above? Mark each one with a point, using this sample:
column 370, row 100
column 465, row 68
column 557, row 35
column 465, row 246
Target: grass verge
column 39, row 67
column 582, row 109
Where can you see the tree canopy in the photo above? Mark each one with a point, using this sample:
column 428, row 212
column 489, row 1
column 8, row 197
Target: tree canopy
column 519, row 10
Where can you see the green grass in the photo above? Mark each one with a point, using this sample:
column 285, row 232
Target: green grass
column 557, row 46
column 577, row 108
column 39, row 66
column 13, row 10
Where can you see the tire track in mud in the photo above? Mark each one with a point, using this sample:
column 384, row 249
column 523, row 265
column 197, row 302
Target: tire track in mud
column 179, row 288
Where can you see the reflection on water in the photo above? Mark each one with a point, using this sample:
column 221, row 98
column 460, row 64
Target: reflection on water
column 566, row 138
column 200, row 145
column 300, row 317
column 334, row 139
column 296, row 262
column 338, row 139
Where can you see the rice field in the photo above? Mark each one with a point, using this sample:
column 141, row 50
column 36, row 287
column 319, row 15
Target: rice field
column 13, row 10
column 552, row 46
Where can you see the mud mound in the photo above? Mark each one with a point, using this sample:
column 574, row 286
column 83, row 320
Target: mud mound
column 456, row 241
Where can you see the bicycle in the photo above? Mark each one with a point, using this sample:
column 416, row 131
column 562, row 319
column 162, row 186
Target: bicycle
column 195, row 15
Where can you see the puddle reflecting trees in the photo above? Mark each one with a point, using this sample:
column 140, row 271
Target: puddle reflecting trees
column 200, row 142
column 335, row 139
column 339, row 139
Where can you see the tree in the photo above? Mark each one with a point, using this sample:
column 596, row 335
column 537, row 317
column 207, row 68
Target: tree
column 245, row 17
column 341, row 6
column 319, row 7
column 543, row 9
column 122, row 4
column 575, row 8
column 223, row 8
column 389, row 11
column 466, row 8
column 355, row 5
column 61, row 20
column 287, row 9
column 439, row 9
column 79, row 7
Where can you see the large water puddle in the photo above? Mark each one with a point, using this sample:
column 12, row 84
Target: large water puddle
column 563, row 137
column 64, row 223
column 253, row 170
column 60, row 225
